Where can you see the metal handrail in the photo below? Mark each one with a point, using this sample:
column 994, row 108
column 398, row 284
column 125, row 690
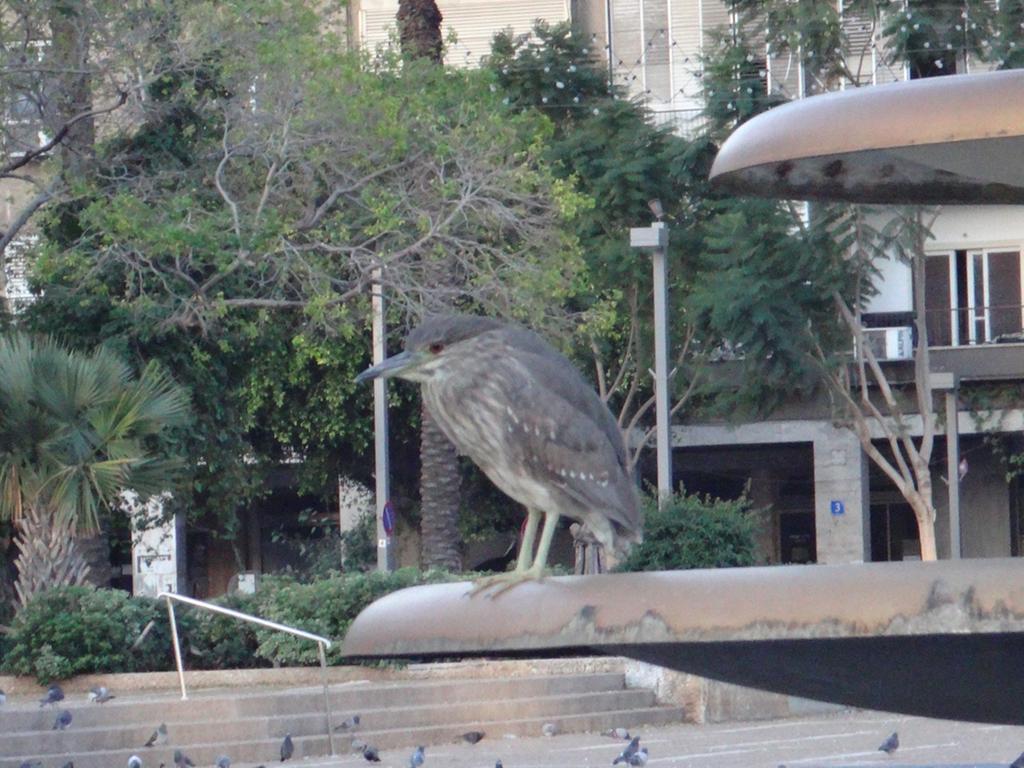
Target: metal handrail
column 321, row 642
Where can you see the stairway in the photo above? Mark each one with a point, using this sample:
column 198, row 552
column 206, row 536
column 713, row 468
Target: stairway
column 248, row 725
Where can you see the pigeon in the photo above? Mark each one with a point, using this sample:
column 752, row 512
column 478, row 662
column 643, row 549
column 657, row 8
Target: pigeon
column 618, row 733
column 891, row 744
column 223, row 762
column 100, row 694
column 32, row 764
column 159, row 736
column 3, row 697
column 417, row 757
column 498, row 764
column 549, row 729
column 181, row 760
column 53, row 694
column 640, row 758
column 473, row 737
column 134, row 762
column 349, row 724
column 69, row 764
column 1019, row 762
column 370, row 753
column 627, row 754
column 287, row 748
column 357, row 745
column 62, row 721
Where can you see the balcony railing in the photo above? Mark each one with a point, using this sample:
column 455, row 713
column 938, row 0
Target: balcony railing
column 987, row 324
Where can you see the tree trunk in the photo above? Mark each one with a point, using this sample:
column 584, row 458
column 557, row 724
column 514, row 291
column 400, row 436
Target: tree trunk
column 73, row 86
column 419, row 29
column 48, row 555
column 439, row 497
column 419, row 33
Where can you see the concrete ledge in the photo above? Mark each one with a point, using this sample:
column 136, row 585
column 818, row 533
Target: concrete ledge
column 287, row 677
column 165, row 682
column 711, row 701
column 702, row 700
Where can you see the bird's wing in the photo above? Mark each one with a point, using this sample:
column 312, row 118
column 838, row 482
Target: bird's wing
column 559, row 439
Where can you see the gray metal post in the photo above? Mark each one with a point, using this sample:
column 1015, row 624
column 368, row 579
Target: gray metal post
column 953, row 472
column 327, row 699
column 385, row 553
column 177, row 648
column 947, row 383
column 655, row 237
column 661, row 391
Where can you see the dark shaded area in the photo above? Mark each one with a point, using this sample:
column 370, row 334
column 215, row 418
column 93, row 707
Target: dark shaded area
column 956, row 677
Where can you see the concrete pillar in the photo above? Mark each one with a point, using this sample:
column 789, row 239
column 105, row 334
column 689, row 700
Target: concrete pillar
column 158, row 545
column 841, row 497
column 764, row 497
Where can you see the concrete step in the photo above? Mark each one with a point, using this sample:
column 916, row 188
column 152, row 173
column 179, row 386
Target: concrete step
column 249, row 726
column 345, row 699
column 424, row 716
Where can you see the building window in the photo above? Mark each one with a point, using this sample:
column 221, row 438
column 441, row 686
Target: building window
column 974, row 297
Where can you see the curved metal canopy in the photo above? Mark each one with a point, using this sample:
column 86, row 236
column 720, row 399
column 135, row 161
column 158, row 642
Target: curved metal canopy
column 941, row 639
column 957, row 139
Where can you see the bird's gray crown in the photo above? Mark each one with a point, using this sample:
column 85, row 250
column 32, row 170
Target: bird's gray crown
column 449, row 329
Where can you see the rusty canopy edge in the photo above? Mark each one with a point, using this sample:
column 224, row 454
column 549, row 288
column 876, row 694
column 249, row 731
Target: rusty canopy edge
column 873, row 635
column 953, row 139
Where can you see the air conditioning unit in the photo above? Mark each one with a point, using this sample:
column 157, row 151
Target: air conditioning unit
column 890, row 343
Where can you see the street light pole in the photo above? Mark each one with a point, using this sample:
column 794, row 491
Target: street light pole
column 655, row 238
column 385, row 550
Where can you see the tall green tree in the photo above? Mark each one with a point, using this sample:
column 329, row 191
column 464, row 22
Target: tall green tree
column 609, row 149
column 791, row 282
column 419, row 24
column 76, row 430
column 236, row 231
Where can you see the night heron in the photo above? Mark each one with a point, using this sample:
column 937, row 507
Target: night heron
column 521, row 411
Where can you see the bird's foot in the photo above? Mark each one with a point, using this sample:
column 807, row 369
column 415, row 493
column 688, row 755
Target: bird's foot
column 502, row 582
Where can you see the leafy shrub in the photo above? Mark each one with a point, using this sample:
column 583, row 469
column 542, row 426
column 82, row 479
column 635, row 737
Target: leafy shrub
column 215, row 641
column 74, row 630
column 71, row 630
column 691, row 531
column 325, row 607
column 359, row 543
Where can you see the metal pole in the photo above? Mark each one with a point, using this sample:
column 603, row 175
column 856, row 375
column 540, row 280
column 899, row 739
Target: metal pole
column 177, row 648
column 655, row 237
column 385, row 553
column 953, row 472
column 661, row 391
column 327, row 699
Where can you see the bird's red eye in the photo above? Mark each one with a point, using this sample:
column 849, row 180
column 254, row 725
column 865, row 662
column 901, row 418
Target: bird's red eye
column 436, row 347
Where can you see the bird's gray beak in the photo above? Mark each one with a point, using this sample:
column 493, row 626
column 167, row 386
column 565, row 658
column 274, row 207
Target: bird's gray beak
column 388, row 368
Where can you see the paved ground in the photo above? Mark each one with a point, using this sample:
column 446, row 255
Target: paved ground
column 846, row 739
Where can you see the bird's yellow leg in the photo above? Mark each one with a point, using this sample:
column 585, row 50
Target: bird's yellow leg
column 529, row 534
column 505, row 581
column 536, row 569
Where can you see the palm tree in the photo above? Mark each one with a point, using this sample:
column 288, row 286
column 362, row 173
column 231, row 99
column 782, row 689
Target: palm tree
column 76, row 430
column 419, row 26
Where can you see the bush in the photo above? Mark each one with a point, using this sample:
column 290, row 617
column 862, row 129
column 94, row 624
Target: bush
column 215, row 641
column 73, row 630
column 325, row 607
column 694, row 532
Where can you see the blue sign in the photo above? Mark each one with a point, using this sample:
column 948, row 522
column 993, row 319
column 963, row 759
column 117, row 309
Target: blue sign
column 837, row 507
column 387, row 518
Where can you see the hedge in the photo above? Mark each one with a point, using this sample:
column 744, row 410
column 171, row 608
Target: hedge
column 693, row 531
column 77, row 630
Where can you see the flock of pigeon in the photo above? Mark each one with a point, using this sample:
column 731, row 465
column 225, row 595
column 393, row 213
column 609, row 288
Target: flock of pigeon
column 632, row 755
